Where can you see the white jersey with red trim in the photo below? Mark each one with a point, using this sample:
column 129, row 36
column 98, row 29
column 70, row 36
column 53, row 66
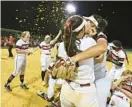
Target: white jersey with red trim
column 120, row 55
column 22, row 45
column 20, row 58
column 86, row 67
column 45, row 47
column 100, row 35
column 116, row 71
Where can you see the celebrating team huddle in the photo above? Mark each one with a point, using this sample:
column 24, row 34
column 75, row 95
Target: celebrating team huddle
column 80, row 66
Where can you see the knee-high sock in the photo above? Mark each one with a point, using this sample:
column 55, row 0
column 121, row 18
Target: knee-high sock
column 22, row 78
column 43, row 75
column 10, row 79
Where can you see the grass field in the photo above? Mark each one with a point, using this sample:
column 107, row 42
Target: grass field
column 26, row 98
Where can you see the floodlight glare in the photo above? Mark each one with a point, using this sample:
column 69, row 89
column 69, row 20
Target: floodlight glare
column 70, row 8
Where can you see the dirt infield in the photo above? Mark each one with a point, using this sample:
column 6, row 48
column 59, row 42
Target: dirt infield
column 26, row 98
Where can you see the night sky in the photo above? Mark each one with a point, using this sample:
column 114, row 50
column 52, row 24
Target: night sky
column 21, row 15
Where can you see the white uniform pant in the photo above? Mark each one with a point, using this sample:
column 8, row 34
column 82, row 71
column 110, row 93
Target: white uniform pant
column 99, row 75
column 45, row 61
column 103, row 86
column 114, row 73
column 70, row 97
column 118, row 102
column 52, row 83
column 20, row 65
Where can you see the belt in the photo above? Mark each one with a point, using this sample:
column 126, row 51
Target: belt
column 81, row 85
column 46, row 54
column 123, row 98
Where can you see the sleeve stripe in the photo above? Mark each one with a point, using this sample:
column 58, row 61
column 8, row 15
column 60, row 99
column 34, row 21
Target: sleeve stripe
column 121, row 59
column 45, row 48
column 101, row 36
column 114, row 55
column 19, row 47
column 25, row 44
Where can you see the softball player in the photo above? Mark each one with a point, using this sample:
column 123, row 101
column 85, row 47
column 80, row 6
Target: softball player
column 98, row 25
column 20, row 60
column 118, row 57
column 94, row 27
column 82, row 91
column 53, row 82
column 51, row 85
column 45, row 46
column 123, row 91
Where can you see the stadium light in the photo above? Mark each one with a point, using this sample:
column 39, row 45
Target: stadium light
column 70, row 8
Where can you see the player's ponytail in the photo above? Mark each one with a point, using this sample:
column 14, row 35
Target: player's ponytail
column 72, row 28
column 126, row 56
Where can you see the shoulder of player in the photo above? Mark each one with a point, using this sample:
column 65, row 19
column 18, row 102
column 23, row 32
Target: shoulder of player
column 88, row 39
column 101, row 35
column 61, row 44
column 121, row 52
column 86, row 43
column 51, row 41
column 43, row 42
column 20, row 41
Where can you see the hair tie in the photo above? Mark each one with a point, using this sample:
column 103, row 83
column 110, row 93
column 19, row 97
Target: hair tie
column 68, row 24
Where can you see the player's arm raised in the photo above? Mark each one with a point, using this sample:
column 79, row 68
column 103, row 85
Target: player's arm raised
column 56, row 38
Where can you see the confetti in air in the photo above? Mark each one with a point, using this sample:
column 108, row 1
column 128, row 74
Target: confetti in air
column 38, row 17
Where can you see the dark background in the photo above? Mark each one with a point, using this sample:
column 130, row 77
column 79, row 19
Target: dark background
column 118, row 14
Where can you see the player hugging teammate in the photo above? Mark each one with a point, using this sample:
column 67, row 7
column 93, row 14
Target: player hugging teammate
column 94, row 26
column 81, row 67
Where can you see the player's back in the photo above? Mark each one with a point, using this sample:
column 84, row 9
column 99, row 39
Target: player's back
column 86, row 67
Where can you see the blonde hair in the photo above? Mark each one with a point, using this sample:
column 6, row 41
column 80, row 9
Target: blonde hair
column 47, row 36
column 126, row 72
column 24, row 33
